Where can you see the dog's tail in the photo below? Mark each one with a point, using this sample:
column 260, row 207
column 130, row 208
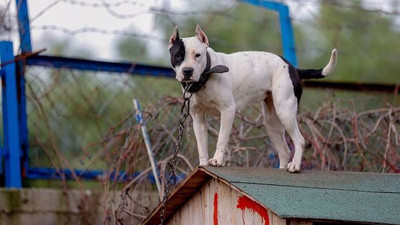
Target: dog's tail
column 321, row 73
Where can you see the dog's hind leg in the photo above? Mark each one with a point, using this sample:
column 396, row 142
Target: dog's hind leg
column 285, row 103
column 201, row 133
column 276, row 132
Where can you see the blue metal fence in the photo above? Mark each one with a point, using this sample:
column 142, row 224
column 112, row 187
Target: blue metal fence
column 11, row 121
column 15, row 121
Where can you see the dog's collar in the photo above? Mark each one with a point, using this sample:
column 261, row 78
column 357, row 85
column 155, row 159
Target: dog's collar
column 196, row 86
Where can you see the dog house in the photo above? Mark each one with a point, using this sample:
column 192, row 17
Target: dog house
column 232, row 195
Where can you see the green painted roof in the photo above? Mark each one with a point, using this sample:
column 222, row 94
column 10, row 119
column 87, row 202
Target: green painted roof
column 319, row 195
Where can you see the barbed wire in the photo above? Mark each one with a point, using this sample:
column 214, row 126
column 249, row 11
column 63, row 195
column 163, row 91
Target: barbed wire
column 44, row 10
column 167, row 13
column 106, row 3
column 95, row 30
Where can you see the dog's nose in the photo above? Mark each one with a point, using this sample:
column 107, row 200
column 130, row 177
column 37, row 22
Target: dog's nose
column 187, row 72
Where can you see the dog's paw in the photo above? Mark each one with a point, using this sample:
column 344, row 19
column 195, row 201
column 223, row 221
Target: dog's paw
column 203, row 163
column 293, row 167
column 214, row 162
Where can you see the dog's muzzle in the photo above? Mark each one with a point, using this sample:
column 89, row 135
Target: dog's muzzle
column 196, row 86
column 187, row 73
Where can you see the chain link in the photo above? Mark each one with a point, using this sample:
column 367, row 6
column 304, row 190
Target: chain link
column 185, row 112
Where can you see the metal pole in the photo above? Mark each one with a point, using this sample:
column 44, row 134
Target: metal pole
column 23, row 26
column 2, row 137
column 289, row 50
column 139, row 119
column 22, row 116
column 26, row 47
column 12, row 147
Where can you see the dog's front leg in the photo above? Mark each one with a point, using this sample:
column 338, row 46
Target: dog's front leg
column 200, row 131
column 227, row 117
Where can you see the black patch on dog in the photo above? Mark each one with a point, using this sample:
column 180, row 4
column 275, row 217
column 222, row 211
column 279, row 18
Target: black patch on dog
column 296, row 81
column 310, row 73
column 177, row 52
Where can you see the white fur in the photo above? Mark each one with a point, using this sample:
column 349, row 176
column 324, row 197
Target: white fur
column 328, row 69
column 253, row 77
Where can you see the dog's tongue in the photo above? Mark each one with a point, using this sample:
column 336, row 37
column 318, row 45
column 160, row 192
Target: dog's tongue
column 218, row 69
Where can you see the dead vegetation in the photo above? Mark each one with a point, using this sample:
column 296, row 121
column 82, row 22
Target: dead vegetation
column 337, row 138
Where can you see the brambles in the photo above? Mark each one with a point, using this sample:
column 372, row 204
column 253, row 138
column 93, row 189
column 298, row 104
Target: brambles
column 337, row 138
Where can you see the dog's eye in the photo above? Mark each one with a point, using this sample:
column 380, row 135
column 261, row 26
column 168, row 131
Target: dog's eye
column 177, row 57
column 197, row 55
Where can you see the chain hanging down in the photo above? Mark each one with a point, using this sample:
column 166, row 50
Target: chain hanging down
column 185, row 112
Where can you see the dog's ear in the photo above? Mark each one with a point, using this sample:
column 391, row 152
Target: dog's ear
column 201, row 35
column 174, row 37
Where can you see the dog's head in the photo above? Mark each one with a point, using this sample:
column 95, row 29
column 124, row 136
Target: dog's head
column 188, row 55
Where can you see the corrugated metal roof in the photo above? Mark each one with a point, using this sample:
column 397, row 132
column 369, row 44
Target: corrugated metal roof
column 315, row 195
column 326, row 195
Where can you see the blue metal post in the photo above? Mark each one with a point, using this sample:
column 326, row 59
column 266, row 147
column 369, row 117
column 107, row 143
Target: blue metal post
column 1, row 138
column 1, row 160
column 10, row 118
column 23, row 26
column 22, row 116
column 26, row 46
column 289, row 50
column 153, row 161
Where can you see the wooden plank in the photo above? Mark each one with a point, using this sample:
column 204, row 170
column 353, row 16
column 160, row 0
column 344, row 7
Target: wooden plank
column 224, row 203
column 210, row 200
column 196, row 209
column 276, row 220
column 237, row 218
column 300, row 222
column 205, row 202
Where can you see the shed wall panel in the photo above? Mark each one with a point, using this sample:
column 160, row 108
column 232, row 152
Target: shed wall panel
column 232, row 207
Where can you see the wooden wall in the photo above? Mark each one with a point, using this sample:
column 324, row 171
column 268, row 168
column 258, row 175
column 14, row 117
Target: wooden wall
column 218, row 204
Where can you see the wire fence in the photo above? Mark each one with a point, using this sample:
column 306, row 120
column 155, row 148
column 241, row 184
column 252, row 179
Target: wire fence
column 69, row 110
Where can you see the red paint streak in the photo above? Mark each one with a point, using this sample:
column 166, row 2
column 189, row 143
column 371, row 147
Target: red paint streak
column 246, row 203
column 215, row 209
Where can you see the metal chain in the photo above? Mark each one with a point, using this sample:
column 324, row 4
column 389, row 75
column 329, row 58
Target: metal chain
column 185, row 112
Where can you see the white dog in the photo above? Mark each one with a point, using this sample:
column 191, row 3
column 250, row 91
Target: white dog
column 224, row 84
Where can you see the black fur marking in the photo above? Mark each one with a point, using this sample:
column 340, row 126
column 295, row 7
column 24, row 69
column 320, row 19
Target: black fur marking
column 310, row 73
column 296, row 81
column 177, row 52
